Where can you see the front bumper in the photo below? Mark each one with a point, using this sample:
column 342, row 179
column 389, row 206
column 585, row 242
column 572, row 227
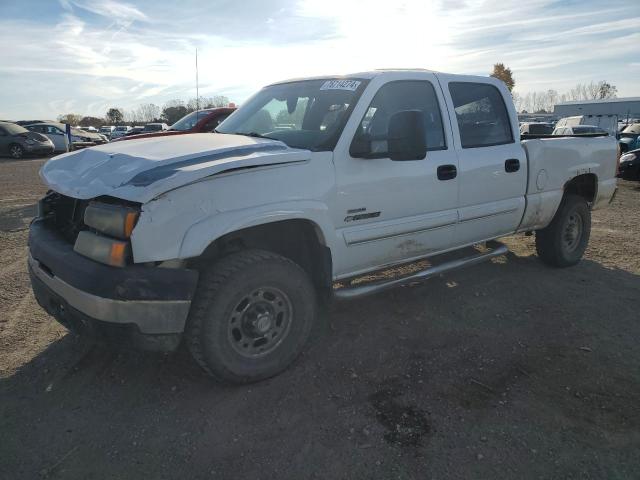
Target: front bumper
column 629, row 171
column 39, row 149
column 145, row 303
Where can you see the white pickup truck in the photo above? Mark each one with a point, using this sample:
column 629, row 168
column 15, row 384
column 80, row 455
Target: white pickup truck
column 232, row 240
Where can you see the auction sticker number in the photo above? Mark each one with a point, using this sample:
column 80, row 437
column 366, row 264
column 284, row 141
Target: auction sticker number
column 340, row 85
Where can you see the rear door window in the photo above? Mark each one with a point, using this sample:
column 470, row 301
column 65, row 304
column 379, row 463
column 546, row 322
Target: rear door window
column 481, row 114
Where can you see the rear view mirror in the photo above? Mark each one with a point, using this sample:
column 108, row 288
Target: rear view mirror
column 407, row 136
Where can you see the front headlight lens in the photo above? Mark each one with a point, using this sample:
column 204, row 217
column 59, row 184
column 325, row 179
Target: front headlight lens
column 626, row 158
column 102, row 249
column 113, row 220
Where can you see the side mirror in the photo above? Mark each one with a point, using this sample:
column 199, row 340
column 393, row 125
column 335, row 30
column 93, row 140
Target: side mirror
column 407, row 136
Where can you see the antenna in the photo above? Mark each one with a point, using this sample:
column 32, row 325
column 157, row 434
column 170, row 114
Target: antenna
column 197, row 89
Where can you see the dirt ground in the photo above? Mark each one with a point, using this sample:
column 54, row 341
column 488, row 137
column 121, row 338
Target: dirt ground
column 508, row 370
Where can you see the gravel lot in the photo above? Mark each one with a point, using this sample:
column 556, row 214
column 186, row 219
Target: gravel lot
column 509, row 370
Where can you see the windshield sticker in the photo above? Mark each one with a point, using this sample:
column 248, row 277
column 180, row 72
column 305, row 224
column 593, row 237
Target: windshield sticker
column 351, row 85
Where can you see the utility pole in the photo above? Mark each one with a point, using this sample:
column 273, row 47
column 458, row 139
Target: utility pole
column 197, row 88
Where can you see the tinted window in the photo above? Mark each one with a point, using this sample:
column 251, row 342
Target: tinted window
column 395, row 97
column 540, row 129
column 211, row 124
column 481, row 113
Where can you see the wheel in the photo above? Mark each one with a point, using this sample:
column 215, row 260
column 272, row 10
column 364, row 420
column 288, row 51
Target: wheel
column 251, row 316
column 563, row 242
column 16, row 151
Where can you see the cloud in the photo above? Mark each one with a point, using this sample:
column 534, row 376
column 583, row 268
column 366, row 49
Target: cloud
column 119, row 11
column 115, row 53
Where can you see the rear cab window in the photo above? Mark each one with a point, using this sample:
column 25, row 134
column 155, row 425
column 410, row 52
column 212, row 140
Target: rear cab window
column 481, row 114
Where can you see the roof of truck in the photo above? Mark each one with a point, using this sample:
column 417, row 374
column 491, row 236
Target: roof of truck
column 368, row 75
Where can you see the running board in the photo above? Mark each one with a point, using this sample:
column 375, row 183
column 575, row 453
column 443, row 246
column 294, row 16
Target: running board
column 496, row 249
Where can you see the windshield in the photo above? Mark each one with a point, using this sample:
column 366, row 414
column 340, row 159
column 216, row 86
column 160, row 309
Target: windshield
column 189, row 121
column 152, row 127
column 307, row 114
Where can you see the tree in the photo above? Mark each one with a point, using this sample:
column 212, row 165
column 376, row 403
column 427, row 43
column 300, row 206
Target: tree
column 606, row 90
column 70, row 118
column 503, row 73
column 115, row 116
column 207, row 102
column 173, row 111
column 91, row 122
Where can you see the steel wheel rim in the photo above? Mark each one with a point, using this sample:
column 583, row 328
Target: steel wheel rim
column 16, row 152
column 572, row 232
column 259, row 322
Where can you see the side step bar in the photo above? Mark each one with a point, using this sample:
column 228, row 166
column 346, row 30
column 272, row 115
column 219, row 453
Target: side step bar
column 495, row 250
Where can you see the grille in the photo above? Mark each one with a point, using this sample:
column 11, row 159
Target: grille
column 64, row 214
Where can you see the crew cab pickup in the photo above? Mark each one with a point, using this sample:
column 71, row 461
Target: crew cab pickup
column 231, row 241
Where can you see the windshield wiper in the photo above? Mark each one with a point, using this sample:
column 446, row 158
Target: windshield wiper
column 254, row 134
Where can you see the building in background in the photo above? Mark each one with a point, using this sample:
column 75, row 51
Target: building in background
column 624, row 108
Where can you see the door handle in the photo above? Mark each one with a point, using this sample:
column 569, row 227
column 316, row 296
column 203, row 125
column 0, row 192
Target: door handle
column 447, row 172
column 511, row 165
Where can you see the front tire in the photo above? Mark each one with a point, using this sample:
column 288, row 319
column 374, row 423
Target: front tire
column 16, row 151
column 563, row 242
column 251, row 316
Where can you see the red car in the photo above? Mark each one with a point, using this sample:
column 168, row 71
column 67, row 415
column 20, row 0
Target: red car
column 195, row 122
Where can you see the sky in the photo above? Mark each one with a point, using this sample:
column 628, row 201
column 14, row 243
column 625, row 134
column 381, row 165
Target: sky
column 85, row 56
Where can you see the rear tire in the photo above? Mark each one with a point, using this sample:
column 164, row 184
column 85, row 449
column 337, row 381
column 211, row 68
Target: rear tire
column 563, row 242
column 251, row 316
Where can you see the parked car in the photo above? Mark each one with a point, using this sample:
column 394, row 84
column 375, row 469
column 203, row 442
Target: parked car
column 231, row 240
column 56, row 132
column 24, row 123
column 107, row 130
column 155, row 127
column 88, row 129
column 200, row 121
column 629, row 141
column 120, row 131
column 579, row 130
column 17, row 141
column 608, row 123
column 134, row 131
column 630, row 165
column 632, row 128
column 536, row 128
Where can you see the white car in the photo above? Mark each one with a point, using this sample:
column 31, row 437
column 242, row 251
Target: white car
column 120, row 131
column 54, row 132
column 229, row 241
column 607, row 123
column 155, row 127
column 579, row 130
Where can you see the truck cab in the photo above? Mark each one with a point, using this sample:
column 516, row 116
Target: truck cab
column 231, row 241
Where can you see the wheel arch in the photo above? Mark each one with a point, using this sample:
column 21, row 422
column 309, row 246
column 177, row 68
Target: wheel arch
column 300, row 239
column 585, row 185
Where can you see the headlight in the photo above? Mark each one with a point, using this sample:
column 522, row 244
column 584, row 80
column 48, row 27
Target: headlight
column 113, row 220
column 102, row 249
column 627, row 157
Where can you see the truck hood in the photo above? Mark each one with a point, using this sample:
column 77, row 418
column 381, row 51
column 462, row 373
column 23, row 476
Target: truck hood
column 140, row 171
